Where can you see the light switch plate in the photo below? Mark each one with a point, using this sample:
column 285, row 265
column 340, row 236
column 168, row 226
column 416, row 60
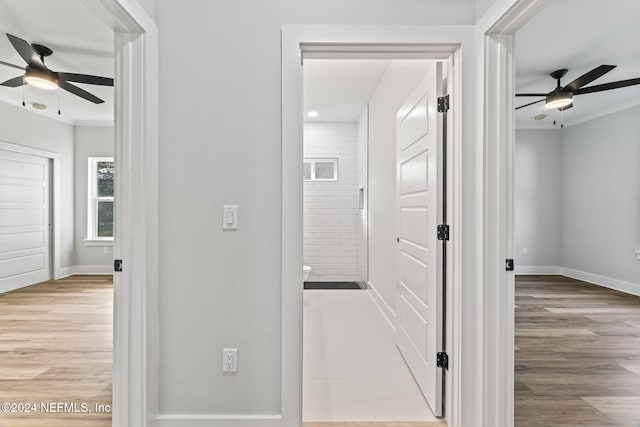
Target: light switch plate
column 230, row 217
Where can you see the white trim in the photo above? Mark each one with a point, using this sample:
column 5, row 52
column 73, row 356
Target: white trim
column 615, row 109
column 542, row 270
column 63, row 272
column 98, row 242
column 533, row 270
column 136, row 345
column 495, row 37
column 385, row 309
column 93, row 123
column 440, row 41
column 215, row 420
column 607, row 282
column 93, row 269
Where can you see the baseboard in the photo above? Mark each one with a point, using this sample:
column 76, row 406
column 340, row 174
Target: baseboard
column 607, row 282
column 382, row 305
column 180, row 420
column 62, row 272
column 538, row 269
column 93, row 269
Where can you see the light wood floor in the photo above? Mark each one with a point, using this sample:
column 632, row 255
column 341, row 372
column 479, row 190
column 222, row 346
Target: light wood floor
column 56, row 346
column 577, row 354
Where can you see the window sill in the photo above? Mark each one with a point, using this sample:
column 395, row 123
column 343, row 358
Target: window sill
column 98, row 242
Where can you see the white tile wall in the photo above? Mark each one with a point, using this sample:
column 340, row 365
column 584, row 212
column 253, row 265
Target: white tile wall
column 331, row 208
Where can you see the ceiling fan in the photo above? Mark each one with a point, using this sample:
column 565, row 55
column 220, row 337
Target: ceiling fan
column 562, row 97
column 37, row 74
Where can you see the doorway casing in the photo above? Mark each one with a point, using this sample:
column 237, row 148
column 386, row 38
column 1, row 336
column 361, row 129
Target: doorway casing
column 495, row 31
column 135, row 328
column 362, row 42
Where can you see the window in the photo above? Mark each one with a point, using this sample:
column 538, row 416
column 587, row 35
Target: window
column 100, row 208
column 320, row 169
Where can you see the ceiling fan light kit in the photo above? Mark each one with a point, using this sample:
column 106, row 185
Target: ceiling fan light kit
column 41, row 79
column 558, row 99
column 562, row 96
column 39, row 75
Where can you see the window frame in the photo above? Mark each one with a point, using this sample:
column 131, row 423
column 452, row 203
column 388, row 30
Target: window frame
column 313, row 162
column 93, row 201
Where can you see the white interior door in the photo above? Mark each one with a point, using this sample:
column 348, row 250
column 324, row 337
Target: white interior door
column 24, row 220
column 419, row 291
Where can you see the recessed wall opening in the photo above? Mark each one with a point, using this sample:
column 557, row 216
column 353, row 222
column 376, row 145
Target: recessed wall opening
column 362, row 312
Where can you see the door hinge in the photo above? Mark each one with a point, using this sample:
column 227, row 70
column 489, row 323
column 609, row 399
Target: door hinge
column 442, row 360
column 509, row 264
column 117, row 265
column 443, row 104
column 443, row 232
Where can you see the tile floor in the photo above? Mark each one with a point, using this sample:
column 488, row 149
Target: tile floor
column 352, row 369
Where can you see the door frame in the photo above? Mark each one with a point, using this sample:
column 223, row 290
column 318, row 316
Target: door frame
column 495, row 31
column 135, row 317
column 425, row 42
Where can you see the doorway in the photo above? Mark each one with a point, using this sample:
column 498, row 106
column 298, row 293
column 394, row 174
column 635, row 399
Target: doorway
column 392, row 184
column 352, row 369
column 500, row 140
column 136, row 159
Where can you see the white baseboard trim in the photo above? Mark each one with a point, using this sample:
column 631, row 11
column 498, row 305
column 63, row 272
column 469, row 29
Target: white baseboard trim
column 382, row 305
column 93, row 269
column 538, row 269
column 185, row 420
column 62, row 272
column 607, row 282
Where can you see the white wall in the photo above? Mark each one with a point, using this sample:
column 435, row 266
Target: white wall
column 395, row 86
column 601, row 194
column 538, row 190
column 331, row 208
column 90, row 141
column 577, row 200
column 362, row 214
column 20, row 126
column 221, row 144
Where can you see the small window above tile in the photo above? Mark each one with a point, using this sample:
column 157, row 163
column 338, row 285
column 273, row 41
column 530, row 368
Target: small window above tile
column 320, row 170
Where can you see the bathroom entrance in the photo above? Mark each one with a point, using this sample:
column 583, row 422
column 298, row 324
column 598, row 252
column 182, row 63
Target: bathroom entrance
column 371, row 170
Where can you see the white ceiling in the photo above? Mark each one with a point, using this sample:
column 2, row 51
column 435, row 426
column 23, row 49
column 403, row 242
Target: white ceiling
column 579, row 35
column 81, row 43
column 339, row 89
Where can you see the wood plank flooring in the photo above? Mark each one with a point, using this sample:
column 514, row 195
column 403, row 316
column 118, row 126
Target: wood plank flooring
column 577, row 360
column 577, row 357
column 56, row 347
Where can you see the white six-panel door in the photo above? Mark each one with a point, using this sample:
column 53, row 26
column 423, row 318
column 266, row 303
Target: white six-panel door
column 419, row 294
column 24, row 220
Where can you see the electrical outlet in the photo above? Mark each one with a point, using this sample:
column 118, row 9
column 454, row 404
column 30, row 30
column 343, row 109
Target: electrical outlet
column 230, row 360
column 105, row 250
column 525, row 250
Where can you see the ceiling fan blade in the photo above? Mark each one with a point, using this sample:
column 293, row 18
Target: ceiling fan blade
column 14, row 82
column 531, row 103
column 607, row 86
column 85, row 78
column 80, row 92
column 587, row 78
column 531, row 94
column 11, row 65
column 27, row 52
